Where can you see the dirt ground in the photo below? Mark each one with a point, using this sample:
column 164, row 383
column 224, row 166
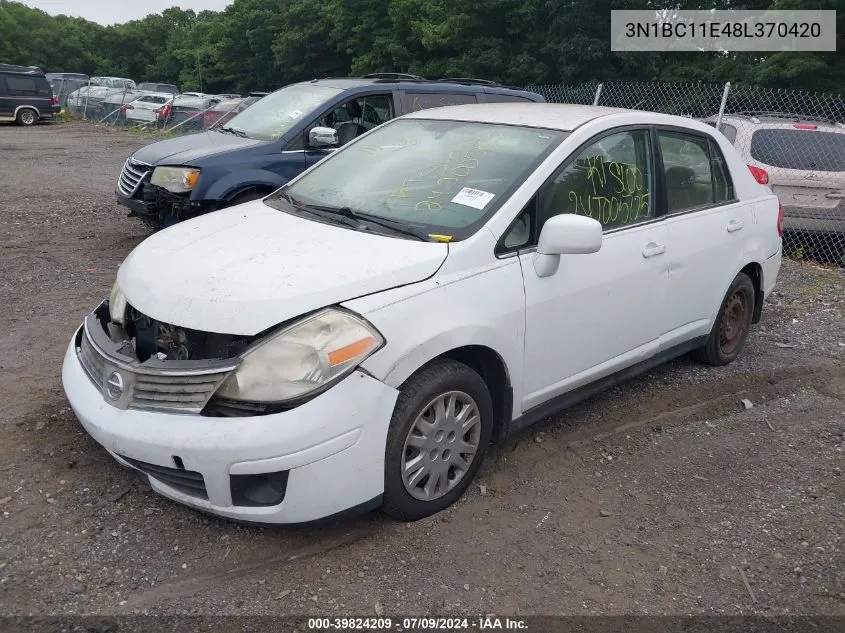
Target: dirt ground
column 662, row 496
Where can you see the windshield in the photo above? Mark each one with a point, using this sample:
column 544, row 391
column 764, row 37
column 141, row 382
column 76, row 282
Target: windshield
column 276, row 113
column 442, row 178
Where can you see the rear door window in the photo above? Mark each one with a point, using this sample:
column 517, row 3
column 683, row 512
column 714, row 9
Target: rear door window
column 415, row 101
column 807, row 150
column 695, row 172
column 500, row 98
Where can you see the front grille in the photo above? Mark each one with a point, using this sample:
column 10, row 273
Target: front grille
column 187, row 481
column 169, row 393
column 131, row 176
column 92, row 362
column 146, row 387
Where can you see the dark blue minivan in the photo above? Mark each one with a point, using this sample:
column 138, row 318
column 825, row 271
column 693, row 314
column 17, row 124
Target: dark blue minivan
column 261, row 148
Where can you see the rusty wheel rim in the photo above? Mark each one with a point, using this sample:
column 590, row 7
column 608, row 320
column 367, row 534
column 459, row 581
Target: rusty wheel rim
column 734, row 323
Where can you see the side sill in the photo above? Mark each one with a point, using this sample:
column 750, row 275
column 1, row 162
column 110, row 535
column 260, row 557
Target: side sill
column 571, row 398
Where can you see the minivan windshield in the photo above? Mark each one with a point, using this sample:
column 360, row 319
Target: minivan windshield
column 276, row 113
column 432, row 177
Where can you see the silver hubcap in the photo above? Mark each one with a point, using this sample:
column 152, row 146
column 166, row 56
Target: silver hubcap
column 441, row 446
column 28, row 118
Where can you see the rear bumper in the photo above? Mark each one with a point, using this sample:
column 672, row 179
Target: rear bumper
column 815, row 220
column 771, row 269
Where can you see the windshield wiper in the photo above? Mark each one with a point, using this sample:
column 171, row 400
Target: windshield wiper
column 362, row 218
column 231, row 130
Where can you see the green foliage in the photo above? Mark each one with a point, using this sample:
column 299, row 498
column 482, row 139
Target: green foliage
column 265, row 44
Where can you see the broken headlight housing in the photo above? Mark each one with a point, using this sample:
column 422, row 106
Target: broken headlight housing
column 305, row 357
column 175, row 179
column 117, row 304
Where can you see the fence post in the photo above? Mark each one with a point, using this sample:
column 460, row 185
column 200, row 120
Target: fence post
column 722, row 105
column 598, row 94
column 85, row 107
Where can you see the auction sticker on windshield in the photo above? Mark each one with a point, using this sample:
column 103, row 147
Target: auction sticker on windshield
column 474, row 198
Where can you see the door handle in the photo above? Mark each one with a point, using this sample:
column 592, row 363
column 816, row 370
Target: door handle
column 652, row 249
column 735, row 225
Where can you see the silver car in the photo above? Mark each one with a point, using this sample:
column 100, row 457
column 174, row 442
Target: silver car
column 804, row 161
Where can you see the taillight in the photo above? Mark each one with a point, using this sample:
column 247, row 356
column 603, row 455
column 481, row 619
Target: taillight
column 54, row 100
column 805, row 126
column 163, row 111
column 760, row 175
column 780, row 219
column 126, row 107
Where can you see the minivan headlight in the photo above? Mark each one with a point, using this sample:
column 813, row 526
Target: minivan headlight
column 307, row 356
column 175, row 179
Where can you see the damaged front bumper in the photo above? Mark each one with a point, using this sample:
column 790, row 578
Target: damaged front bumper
column 316, row 460
column 160, row 206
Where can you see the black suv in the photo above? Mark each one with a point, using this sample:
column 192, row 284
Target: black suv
column 25, row 95
column 281, row 135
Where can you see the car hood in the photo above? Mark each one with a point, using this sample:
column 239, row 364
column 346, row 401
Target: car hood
column 244, row 269
column 182, row 150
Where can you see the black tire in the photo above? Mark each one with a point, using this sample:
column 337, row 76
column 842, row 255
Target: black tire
column 730, row 331
column 432, row 381
column 26, row 117
column 245, row 196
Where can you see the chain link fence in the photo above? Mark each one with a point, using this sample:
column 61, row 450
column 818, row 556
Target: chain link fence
column 793, row 141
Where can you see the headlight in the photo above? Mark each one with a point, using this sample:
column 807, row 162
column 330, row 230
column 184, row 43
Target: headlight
column 309, row 355
column 175, row 179
column 117, row 304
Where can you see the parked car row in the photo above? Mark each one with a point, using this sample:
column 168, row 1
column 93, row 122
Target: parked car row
column 396, row 285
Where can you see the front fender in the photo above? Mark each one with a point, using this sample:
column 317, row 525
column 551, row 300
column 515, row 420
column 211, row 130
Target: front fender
column 221, row 189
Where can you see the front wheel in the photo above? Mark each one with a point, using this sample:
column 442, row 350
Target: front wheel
column 727, row 338
column 439, row 434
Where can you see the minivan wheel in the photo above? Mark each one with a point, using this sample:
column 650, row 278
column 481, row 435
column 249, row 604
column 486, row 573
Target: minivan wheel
column 439, row 433
column 730, row 331
column 26, row 117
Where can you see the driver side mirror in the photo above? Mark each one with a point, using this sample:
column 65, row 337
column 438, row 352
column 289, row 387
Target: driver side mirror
column 565, row 234
column 323, row 137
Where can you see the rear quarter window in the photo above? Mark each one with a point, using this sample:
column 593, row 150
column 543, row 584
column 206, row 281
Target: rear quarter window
column 21, row 86
column 807, row 150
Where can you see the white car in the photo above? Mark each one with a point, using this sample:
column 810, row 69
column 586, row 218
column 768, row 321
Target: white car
column 359, row 337
column 143, row 109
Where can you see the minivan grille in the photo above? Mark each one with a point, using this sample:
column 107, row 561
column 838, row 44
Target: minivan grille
column 131, row 176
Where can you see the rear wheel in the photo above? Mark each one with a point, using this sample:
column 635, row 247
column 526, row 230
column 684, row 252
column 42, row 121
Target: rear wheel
column 439, row 433
column 26, row 116
column 730, row 331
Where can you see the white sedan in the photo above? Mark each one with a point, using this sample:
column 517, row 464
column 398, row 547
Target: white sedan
column 143, row 109
column 359, row 337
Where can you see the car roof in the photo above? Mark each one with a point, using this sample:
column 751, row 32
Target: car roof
column 14, row 69
column 454, row 85
column 556, row 116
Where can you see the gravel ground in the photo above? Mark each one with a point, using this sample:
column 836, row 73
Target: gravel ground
column 662, row 496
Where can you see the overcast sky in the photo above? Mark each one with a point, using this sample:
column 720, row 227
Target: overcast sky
column 116, row 11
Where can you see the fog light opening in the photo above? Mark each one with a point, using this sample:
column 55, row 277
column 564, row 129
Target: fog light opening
column 265, row 489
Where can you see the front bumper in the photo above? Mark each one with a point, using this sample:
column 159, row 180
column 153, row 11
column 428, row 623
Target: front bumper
column 332, row 447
